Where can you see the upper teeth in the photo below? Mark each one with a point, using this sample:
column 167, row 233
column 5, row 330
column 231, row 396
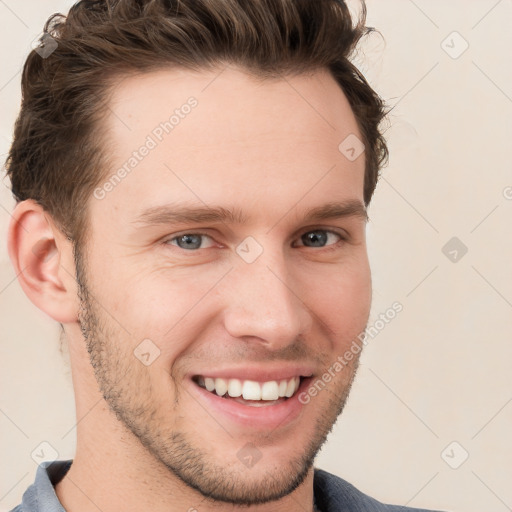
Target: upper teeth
column 252, row 390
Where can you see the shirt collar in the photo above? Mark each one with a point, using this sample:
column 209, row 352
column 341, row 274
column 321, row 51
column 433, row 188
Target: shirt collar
column 40, row 496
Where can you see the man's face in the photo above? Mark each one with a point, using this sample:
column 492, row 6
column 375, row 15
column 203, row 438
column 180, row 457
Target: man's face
column 172, row 306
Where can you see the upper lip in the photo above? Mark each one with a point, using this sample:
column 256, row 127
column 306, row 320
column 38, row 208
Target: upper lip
column 258, row 374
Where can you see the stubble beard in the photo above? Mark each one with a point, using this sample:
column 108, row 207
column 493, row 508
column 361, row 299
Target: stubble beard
column 131, row 400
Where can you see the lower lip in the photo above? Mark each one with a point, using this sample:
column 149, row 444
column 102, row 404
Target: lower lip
column 264, row 417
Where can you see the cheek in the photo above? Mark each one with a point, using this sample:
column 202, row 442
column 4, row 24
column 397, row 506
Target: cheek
column 341, row 297
column 168, row 307
column 172, row 307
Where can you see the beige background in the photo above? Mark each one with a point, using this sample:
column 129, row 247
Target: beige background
column 440, row 371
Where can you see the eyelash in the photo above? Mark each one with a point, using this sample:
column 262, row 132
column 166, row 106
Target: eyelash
column 331, row 247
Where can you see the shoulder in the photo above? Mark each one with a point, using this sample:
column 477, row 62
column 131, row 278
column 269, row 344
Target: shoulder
column 335, row 494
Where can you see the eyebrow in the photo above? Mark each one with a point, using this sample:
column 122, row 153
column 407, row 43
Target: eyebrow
column 169, row 214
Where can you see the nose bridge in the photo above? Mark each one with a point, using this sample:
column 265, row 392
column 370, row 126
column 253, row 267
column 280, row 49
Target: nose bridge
column 262, row 302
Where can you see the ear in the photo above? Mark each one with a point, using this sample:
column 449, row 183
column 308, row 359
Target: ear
column 43, row 259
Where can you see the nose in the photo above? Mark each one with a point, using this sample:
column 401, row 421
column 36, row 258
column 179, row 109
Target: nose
column 262, row 305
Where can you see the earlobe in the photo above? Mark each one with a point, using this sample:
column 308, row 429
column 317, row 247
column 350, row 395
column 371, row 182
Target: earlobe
column 42, row 257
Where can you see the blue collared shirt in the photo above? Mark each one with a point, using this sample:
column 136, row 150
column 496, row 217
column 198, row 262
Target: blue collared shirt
column 332, row 494
column 40, row 496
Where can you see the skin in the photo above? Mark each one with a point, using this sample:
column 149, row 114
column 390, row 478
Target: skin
column 269, row 149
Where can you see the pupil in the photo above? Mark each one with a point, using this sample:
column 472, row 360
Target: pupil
column 318, row 238
column 189, row 240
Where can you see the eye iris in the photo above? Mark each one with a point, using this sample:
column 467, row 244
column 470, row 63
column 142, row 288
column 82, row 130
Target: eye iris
column 195, row 239
column 315, row 237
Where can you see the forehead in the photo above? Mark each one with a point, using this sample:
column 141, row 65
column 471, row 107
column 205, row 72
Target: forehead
column 236, row 104
column 224, row 137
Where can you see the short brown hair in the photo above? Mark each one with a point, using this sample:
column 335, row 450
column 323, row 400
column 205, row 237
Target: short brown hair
column 57, row 158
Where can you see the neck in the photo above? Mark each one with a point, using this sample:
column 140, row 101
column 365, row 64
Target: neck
column 112, row 483
column 112, row 471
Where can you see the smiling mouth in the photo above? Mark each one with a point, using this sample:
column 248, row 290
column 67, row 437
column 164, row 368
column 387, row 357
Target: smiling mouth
column 249, row 392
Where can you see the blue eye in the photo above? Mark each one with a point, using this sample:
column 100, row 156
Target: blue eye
column 188, row 241
column 318, row 237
